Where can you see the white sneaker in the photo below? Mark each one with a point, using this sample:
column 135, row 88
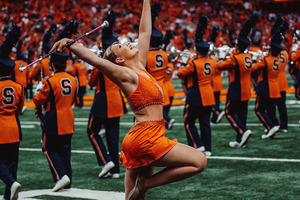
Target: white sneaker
column 271, row 132
column 264, row 136
column 106, row 168
column 283, row 130
column 64, row 181
column 102, row 132
column 246, row 135
column 220, row 117
column 202, row 149
column 207, row 153
column 234, row 144
column 212, row 123
column 170, row 124
column 14, row 190
column 110, row 175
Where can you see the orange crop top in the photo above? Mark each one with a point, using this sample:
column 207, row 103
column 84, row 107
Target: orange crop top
column 148, row 92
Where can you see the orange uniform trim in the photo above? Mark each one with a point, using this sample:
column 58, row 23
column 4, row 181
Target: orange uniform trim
column 259, row 114
column 48, row 157
column 187, row 126
column 230, row 118
column 94, row 141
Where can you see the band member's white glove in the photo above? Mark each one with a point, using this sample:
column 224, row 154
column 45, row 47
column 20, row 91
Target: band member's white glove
column 223, row 54
column 38, row 87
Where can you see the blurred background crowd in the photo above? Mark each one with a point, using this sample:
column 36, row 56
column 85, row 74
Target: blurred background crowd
column 37, row 16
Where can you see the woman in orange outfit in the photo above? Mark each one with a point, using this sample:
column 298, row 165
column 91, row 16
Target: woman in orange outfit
column 145, row 146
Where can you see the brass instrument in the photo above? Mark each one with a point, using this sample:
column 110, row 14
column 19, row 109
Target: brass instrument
column 256, row 55
column 294, row 47
column 96, row 50
column 175, row 54
column 222, row 51
column 172, row 52
column 123, row 39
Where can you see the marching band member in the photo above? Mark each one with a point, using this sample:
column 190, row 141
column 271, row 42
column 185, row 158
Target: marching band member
column 239, row 92
column 57, row 93
column 11, row 104
column 107, row 108
column 268, row 91
column 282, row 82
column 200, row 96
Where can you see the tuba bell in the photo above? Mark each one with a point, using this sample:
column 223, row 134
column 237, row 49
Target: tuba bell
column 173, row 52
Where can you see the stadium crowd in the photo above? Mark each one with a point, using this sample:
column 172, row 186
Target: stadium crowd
column 37, row 16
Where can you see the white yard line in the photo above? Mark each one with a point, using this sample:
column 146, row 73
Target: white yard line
column 254, row 159
column 211, row 157
column 28, row 126
column 84, row 121
column 220, row 124
column 73, row 151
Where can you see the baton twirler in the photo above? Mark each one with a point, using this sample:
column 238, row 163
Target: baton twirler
column 104, row 24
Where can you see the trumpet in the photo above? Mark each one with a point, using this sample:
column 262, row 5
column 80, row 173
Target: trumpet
column 224, row 48
column 175, row 54
column 256, row 55
column 222, row 51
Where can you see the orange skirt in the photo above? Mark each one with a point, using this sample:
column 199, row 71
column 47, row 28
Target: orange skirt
column 144, row 143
